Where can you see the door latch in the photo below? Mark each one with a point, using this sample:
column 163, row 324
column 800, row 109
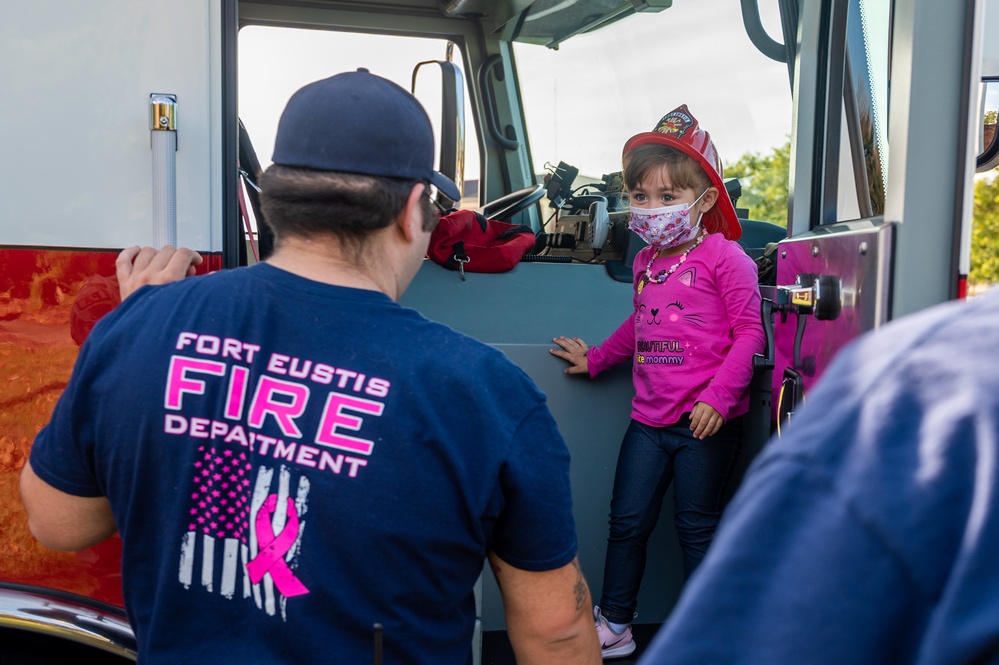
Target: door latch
column 810, row 295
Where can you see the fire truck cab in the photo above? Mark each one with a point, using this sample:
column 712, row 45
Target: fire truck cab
column 120, row 124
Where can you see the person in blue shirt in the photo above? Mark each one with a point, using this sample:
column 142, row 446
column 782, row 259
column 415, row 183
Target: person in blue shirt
column 291, row 457
column 869, row 532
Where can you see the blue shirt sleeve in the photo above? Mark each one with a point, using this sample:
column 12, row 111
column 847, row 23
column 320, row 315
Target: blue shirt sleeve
column 62, row 454
column 536, row 530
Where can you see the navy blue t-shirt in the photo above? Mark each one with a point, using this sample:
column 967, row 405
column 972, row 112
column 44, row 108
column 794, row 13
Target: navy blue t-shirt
column 868, row 533
column 289, row 463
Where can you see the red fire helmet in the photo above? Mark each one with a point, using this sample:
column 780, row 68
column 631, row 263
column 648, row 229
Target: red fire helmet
column 678, row 129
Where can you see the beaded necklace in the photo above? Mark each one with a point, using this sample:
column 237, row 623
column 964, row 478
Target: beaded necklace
column 663, row 274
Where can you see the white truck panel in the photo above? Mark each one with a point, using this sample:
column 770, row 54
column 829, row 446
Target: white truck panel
column 75, row 156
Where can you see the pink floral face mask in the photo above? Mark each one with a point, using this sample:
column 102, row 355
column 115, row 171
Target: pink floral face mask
column 665, row 227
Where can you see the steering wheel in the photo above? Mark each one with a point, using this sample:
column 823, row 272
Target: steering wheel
column 509, row 205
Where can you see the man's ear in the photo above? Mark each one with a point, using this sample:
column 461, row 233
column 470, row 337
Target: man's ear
column 709, row 199
column 410, row 219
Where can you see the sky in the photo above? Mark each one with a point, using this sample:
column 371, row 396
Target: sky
column 583, row 100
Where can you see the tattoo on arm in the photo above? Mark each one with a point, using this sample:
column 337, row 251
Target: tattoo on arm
column 580, row 586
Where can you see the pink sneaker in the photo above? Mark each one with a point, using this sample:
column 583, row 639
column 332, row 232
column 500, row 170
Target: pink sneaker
column 612, row 645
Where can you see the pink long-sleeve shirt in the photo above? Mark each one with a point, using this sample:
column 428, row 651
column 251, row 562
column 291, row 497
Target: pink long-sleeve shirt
column 691, row 338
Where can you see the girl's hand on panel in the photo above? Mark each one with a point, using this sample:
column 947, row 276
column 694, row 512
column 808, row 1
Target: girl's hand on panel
column 573, row 351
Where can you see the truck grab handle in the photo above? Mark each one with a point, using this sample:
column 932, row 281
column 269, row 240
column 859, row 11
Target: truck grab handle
column 163, row 139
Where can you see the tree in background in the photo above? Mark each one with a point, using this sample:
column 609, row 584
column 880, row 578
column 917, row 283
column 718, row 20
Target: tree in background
column 985, row 233
column 764, row 183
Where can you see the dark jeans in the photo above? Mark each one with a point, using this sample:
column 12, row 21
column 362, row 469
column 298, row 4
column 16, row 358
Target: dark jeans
column 651, row 458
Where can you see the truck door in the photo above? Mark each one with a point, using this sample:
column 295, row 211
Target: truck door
column 874, row 234
column 77, row 184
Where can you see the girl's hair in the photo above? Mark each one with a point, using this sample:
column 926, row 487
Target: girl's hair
column 684, row 172
column 350, row 207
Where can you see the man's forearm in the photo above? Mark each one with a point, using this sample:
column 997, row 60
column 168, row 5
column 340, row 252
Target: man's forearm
column 548, row 615
column 578, row 646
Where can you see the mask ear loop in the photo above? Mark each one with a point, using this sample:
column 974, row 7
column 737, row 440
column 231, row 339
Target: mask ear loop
column 699, row 213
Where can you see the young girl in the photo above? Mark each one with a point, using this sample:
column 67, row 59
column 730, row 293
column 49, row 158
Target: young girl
column 691, row 340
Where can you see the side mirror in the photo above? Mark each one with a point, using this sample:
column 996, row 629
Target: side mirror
column 451, row 128
column 988, row 107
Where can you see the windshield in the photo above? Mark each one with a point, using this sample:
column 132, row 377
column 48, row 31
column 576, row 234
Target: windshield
column 585, row 99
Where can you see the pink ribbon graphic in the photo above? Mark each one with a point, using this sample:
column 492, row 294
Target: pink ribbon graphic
column 272, row 547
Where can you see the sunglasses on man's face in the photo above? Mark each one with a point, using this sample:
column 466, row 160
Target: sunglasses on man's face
column 431, row 193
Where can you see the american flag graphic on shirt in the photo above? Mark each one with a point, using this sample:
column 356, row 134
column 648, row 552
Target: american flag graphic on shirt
column 240, row 540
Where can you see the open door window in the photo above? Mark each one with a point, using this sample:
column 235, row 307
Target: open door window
column 277, row 61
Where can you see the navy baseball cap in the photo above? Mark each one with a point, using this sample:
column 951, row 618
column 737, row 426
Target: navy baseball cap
column 357, row 122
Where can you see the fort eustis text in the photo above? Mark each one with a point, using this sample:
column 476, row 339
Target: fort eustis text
column 279, row 397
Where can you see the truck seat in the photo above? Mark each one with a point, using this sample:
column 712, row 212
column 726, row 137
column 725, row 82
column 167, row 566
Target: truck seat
column 756, row 235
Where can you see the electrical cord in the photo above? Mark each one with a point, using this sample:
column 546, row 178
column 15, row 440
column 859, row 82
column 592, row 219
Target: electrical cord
column 544, row 224
column 544, row 258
